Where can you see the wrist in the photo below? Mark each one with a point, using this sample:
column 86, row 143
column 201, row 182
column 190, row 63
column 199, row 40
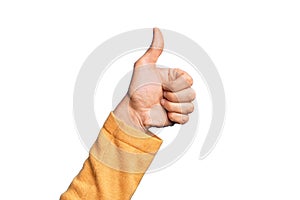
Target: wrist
column 128, row 115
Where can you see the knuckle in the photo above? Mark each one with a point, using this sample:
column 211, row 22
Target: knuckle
column 189, row 80
column 191, row 108
column 192, row 94
column 184, row 119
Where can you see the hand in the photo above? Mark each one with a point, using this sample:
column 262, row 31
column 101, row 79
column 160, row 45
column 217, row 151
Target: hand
column 157, row 97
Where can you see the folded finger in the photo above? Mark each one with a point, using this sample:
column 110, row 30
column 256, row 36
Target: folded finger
column 178, row 118
column 185, row 95
column 183, row 108
column 179, row 81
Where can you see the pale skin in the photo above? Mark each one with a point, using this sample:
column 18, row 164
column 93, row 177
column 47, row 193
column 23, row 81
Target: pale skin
column 157, row 97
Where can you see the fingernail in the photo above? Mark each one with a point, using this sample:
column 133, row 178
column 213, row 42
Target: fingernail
column 162, row 101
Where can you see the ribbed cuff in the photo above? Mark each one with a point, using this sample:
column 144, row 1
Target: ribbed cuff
column 124, row 148
column 146, row 142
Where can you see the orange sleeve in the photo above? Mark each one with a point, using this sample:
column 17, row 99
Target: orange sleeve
column 116, row 164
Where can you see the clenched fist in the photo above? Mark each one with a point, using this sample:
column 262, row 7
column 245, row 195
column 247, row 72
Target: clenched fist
column 157, row 97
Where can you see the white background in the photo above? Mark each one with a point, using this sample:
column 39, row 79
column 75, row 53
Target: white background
column 254, row 44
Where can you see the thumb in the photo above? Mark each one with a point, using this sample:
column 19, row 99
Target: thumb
column 154, row 51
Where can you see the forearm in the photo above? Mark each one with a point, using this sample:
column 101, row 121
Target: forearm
column 116, row 165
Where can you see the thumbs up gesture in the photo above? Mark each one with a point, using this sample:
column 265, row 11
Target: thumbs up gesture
column 157, row 97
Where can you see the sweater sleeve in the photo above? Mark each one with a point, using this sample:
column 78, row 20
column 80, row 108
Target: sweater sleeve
column 116, row 164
